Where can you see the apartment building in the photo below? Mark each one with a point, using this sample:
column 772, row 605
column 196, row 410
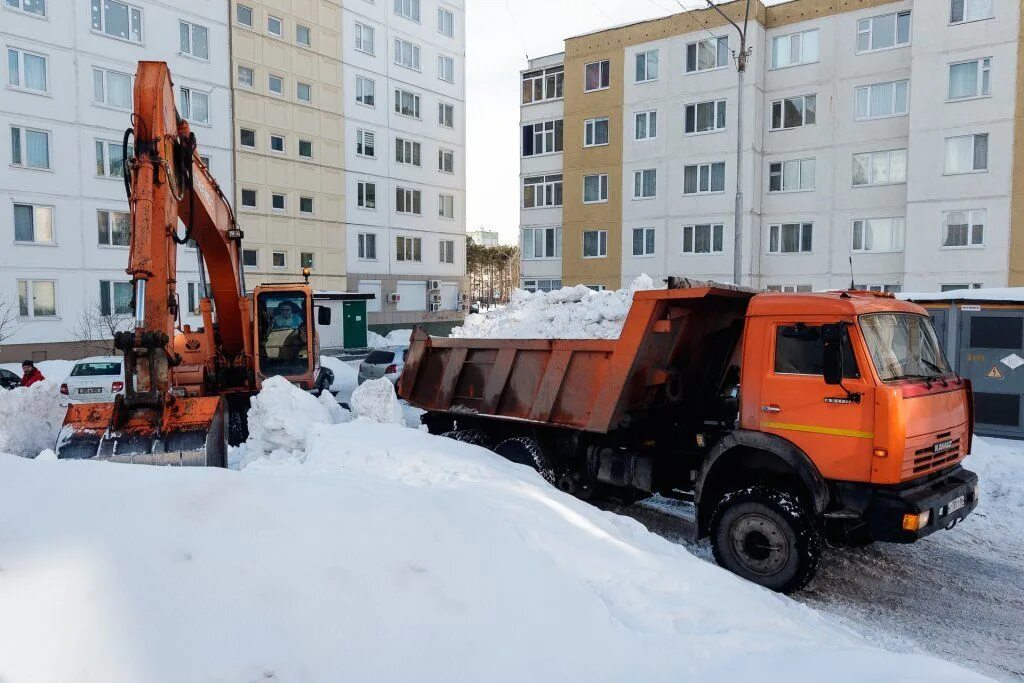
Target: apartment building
column 883, row 138
column 67, row 98
column 485, row 238
column 403, row 72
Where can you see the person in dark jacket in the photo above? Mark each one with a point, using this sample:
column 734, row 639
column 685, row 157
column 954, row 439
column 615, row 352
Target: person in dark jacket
column 30, row 374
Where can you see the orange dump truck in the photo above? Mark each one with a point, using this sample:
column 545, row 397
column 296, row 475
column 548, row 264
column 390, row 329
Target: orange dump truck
column 790, row 420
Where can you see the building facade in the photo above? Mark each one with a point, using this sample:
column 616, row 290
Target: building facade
column 880, row 138
column 485, row 238
column 68, row 77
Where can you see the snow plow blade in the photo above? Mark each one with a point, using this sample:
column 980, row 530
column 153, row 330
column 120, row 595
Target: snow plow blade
column 188, row 432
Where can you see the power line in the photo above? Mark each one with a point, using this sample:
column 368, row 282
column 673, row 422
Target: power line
column 515, row 25
column 693, row 16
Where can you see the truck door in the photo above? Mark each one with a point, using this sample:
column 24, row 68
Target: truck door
column 833, row 427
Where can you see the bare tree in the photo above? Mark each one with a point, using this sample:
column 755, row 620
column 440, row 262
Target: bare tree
column 96, row 328
column 8, row 319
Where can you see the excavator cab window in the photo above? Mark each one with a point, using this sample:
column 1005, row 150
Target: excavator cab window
column 283, row 336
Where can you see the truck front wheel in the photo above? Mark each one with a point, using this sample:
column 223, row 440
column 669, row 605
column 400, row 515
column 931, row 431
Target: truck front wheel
column 767, row 537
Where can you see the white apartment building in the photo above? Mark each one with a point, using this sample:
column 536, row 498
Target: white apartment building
column 877, row 132
column 403, row 70
column 68, row 76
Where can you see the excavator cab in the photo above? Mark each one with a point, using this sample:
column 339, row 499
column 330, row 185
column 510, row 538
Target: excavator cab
column 284, row 331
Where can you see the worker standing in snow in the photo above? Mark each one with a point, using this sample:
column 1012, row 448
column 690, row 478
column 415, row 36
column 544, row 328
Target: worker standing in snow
column 30, row 374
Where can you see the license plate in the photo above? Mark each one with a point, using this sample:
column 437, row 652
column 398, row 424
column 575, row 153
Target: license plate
column 955, row 504
column 91, row 390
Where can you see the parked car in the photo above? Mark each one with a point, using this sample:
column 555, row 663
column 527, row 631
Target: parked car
column 388, row 362
column 94, row 380
column 8, row 380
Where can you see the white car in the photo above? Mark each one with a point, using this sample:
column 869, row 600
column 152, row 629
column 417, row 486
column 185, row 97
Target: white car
column 94, row 380
column 388, row 362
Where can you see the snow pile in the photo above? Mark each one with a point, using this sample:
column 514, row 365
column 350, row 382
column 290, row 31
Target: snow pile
column 567, row 313
column 397, row 338
column 375, row 401
column 374, row 340
column 30, row 418
column 346, row 377
column 988, row 294
column 53, row 370
column 999, row 464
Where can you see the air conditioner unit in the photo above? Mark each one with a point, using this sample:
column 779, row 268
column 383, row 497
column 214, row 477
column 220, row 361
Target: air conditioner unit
column 435, row 308
column 435, row 298
column 434, row 284
column 394, row 297
column 465, row 297
column 463, row 307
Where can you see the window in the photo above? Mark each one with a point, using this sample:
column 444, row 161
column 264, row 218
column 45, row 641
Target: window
column 304, row 92
column 543, row 84
column 37, row 298
column 795, row 49
column 447, row 251
column 306, row 205
column 595, row 132
column 195, row 106
column 970, row 79
column 247, row 138
column 250, row 258
column 364, row 144
column 112, row 88
column 881, row 99
column 595, row 243
column 963, row 11
column 645, row 125
column 366, row 195
column 114, row 228
column 894, row 289
column 116, row 298
column 278, row 259
column 249, row 199
column 245, row 76
column 410, row 9
column 880, row 168
column 274, row 26
column 446, row 68
column 645, row 183
column 193, row 40
column 541, row 285
column 799, row 349
column 408, row 201
column 275, row 84
column 595, row 188
column 967, row 153
column 446, row 160
column 793, row 112
column 540, row 191
column 33, row 224
column 277, row 143
column 878, row 234
column 704, row 178
column 542, row 138
column 445, row 22
column 446, row 114
column 37, row 7
column 366, row 89
column 643, row 241
column 542, row 243
column 791, row 176
column 407, row 103
column 597, row 76
column 407, row 152
column 646, row 66
column 703, row 55
column 883, row 32
column 705, row 238
column 964, row 228
column 306, row 149
column 407, row 54
column 277, row 201
column 243, row 15
column 26, row 70
column 790, row 238
column 30, row 148
column 364, row 38
column 408, row 248
column 446, row 206
column 117, row 19
column 367, row 246
column 307, row 259
column 704, row 117
column 788, row 288
column 975, row 285
column 194, row 294
column 303, row 35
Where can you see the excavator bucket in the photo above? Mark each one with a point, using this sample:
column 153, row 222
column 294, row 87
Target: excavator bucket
column 188, row 432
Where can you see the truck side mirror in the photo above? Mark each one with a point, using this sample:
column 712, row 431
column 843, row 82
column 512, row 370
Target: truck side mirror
column 832, row 353
column 323, row 315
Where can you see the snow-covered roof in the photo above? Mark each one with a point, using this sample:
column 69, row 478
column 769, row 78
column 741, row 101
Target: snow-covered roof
column 1013, row 294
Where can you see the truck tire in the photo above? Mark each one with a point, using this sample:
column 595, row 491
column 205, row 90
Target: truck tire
column 767, row 537
column 526, row 451
column 470, row 436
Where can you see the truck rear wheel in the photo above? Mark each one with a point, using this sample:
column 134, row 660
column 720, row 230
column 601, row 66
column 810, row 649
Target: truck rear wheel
column 767, row 537
column 470, row 436
column 526, row 451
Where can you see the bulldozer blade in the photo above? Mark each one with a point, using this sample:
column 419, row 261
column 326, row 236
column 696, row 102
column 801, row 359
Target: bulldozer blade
column 187, row 432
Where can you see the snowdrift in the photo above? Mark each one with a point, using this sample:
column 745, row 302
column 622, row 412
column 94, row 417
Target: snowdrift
column 30, row 418
column 567, row 313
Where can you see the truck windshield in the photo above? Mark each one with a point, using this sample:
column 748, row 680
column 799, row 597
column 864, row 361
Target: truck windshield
column 903, row 345
column 283, row 337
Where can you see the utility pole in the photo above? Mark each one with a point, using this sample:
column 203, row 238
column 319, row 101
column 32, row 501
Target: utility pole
column 741, row 69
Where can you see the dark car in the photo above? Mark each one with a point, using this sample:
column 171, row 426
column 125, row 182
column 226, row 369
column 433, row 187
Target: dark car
column 8, row 380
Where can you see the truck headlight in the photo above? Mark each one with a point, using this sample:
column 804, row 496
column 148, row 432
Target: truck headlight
column 916, row 522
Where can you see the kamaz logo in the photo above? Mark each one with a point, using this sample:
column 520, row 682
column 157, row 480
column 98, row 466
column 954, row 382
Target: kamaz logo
column 942, row 446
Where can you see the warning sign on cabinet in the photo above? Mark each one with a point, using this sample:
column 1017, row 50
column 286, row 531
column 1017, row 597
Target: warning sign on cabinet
column 994, row 373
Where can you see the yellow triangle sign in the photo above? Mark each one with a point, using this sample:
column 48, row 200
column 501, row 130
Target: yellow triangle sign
column 994, row 373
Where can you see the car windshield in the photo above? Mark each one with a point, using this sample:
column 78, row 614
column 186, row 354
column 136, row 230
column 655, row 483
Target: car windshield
column 97, row 369
column 282, row 341
column 903, row 345
column 380, row 357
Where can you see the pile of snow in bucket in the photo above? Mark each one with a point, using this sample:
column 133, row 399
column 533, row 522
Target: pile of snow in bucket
column 567, row 313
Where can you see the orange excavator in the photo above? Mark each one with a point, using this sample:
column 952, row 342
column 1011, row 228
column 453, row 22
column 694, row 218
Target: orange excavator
column 187, row 390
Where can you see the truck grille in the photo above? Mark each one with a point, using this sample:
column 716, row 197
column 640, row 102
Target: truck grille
column 932, row 452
